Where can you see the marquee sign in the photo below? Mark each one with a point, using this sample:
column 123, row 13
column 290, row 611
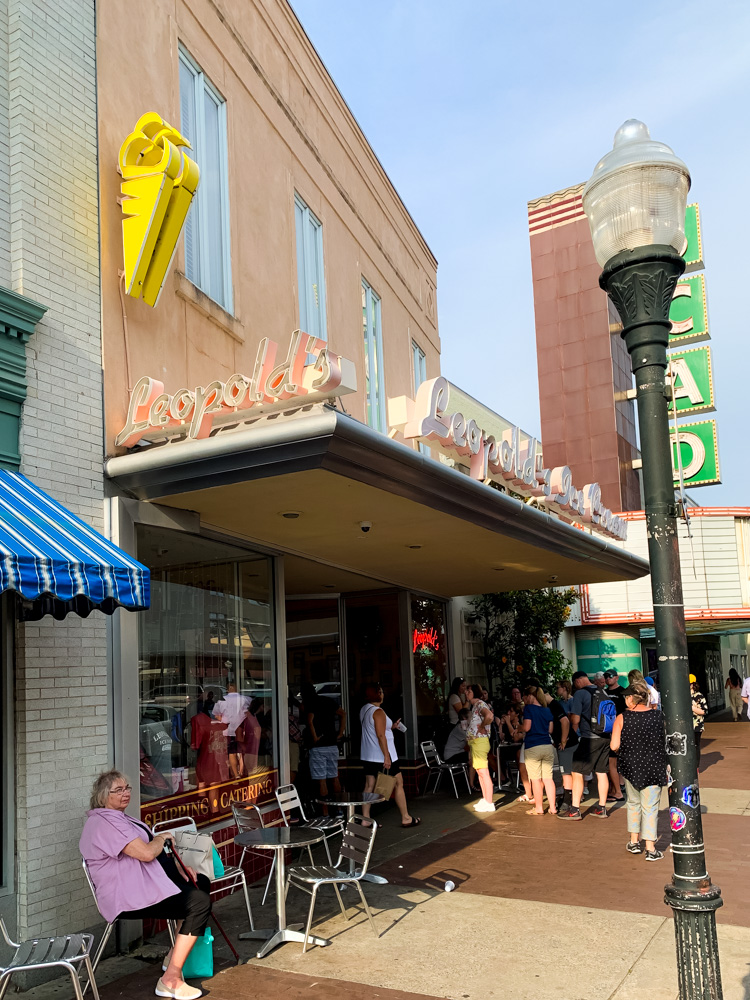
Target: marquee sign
column 427, row 418
column 690, row 374
column 688, row 312
column 158, row 183
column 693, row 255
column 699, row 453
column 310, row 373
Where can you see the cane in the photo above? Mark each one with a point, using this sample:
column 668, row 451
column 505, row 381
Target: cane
column 214, row 918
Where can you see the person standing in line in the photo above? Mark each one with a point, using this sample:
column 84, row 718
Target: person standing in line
column 734, row 685
column 599, row 679
column 592, row 753
column 378, row 752
column 478, row 735
column 326, row 722
column 456, row 699
column 700, row 711
column 614, row 691
column 653, row 695
column 565, row 740
column 564, row 692
column 538, row 723
column 638, row 736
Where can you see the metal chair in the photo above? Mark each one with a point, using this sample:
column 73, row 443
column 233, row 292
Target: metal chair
column 288, row 798
column 68, row 951
column 110, row 925
column 438, row 767
column 356, row 846
column 252, row 817
column 233, row 876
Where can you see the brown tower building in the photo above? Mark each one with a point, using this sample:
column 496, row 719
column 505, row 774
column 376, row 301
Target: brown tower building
column 588, row 423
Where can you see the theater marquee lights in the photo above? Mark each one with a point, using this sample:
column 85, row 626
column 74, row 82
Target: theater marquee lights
column 158, row 183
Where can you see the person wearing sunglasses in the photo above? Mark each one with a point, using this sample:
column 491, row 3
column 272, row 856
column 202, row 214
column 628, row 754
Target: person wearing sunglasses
column 135, row 876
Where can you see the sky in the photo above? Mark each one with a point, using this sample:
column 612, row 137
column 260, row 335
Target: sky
column 475, row 108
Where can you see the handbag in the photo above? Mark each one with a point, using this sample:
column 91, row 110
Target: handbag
column 196, row 850
column 200, row 961
column 385, row 784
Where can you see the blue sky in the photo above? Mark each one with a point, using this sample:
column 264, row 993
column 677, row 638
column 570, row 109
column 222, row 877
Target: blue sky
column 476, row 108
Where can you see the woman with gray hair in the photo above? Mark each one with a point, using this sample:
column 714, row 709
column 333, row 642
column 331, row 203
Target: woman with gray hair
column 135, row 876
column 638, row 734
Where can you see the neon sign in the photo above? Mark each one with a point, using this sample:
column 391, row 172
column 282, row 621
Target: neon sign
column 425, row 639
column 158, row 184
column 194, row 413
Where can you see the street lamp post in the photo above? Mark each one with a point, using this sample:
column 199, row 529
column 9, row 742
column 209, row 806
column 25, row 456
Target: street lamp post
column 635, row 202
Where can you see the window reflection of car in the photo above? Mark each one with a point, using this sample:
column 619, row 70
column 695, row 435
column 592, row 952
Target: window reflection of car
column 157, row 713
column 182, row 694
column 329, row 689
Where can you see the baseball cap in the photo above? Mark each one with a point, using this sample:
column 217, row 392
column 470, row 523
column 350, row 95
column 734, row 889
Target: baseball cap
column 611, row 673
column 650, row 681
column 693, row 679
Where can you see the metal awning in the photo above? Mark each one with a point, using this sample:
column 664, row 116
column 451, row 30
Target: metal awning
column 434, row 530
column 57, row 562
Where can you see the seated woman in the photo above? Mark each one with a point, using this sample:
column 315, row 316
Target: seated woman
column 455, row 751
column 134, row 877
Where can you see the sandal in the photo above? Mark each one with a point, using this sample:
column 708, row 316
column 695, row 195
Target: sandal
column 525, row 798
column 415, row 821
column 533, row 812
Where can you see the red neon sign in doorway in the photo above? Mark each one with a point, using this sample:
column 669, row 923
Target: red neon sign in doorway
column 428, row 638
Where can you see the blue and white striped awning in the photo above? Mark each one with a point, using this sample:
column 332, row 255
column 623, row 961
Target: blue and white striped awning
column 54, row 559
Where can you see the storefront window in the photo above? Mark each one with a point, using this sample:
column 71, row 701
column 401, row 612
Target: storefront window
column 206, row 676
column 430, row 654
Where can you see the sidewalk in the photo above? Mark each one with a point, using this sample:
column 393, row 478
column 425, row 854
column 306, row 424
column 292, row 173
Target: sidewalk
column 531, row 892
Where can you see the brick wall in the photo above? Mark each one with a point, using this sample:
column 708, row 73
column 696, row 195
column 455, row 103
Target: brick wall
column 48, row 151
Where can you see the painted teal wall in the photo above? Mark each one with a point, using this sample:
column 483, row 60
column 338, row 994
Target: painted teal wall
column 621, row 653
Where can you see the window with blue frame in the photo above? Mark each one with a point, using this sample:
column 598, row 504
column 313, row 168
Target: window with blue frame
column 310, row 277
column 207, row 242
column 419, row 364
column 373, row 342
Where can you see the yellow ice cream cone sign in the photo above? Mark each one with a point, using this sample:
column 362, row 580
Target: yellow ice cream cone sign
column 159, row 180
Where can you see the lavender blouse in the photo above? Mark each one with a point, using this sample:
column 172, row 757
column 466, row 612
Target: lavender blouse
column 122, row 883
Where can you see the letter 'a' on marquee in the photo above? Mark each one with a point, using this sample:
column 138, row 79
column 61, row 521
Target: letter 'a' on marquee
column 159, row 181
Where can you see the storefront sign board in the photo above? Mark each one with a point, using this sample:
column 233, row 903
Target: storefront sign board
column 688, row 312
column 206, row 805
column 699, row 453
column 428, row 418
column 310, row 373
column 693, row 255
column 159, row 181
column 690, row 372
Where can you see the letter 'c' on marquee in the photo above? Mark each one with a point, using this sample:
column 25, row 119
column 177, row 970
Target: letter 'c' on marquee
column 158, row 183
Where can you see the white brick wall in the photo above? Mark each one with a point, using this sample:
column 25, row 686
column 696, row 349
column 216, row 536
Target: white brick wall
column 49, row 209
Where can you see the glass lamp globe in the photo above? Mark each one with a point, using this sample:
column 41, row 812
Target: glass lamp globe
column 637, row 195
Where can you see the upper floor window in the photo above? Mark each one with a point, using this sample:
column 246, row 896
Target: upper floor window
column 310, row 279
column 373, row 337
column 419, row 362
column 207, row 244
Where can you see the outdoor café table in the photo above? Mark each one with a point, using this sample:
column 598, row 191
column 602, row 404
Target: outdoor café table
column 279, row 839
column 350, row 801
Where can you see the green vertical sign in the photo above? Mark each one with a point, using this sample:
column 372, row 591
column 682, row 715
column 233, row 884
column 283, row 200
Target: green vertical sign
column 693, row 256
column 693, row 382
column 699, row 454
column 689, row 312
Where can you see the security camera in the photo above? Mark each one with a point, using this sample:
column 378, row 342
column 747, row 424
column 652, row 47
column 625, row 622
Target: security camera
column 365, row 526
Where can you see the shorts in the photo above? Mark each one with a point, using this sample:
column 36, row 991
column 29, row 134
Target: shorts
column 565, row 759
column 591, row 756
column 232, row 746
column 374, row 767
column 324, row 763
column 540, row 761
column 479, row 751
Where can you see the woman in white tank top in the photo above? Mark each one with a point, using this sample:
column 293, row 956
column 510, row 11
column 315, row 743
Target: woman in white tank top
column 378, row 751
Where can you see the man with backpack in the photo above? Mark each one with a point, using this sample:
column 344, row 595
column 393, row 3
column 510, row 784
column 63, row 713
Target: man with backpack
column 593, row 714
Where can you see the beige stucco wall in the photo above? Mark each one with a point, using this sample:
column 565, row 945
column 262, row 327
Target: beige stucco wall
column 288, row 129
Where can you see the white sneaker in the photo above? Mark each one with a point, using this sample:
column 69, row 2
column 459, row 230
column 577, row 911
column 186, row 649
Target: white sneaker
column 485, row 807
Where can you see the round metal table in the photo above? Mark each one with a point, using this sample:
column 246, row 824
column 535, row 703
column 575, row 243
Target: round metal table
column 279, row 839
column 350, row 801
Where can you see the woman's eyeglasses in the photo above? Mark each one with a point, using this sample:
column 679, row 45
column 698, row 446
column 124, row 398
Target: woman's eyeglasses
column 121, row 791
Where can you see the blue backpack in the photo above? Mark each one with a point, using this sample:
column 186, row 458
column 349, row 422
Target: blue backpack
column 603, row 713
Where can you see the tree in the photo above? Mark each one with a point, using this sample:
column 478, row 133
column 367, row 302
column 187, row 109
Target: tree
column 518, row 631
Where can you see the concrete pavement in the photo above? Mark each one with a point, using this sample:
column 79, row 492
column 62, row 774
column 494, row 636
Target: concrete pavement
column 536, row 900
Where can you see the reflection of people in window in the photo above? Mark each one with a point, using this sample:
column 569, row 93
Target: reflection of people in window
column 209, row 739
column 231, row 710
column 248, row 738
column 156, row 757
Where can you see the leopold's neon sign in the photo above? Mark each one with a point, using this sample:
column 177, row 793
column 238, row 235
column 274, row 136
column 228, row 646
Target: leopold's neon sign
column 425, row 639
column 310, row 373
column 427, row 419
